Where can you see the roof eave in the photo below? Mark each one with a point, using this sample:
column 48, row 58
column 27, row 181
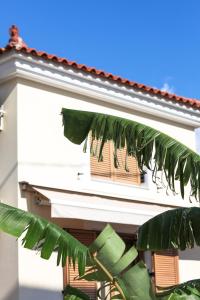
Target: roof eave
column 15, row 63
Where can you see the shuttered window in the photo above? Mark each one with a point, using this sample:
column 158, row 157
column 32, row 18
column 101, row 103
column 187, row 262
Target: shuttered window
column 87, row 237
column 164, row 265
column 102, row 169
column 106, row 170
column 88, row 287
column 166, row 268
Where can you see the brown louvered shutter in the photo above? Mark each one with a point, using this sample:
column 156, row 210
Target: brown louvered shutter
column 121, row 175
column 102, row 169
column 166, row 268
column 105, row 169
column 88, row 287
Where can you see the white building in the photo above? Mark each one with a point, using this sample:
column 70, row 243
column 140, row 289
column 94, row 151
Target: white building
column 41, row 171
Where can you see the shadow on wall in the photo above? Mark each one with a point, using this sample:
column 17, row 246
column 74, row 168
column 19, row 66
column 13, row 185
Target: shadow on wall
column 29, row 293
column 190, row 254
column 26, row 293
column 10, row 293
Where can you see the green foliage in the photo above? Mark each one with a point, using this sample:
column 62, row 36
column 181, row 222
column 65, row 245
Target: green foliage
column 113, row 264
column 42, row 235
column 106, row 258
column 153, row 149
column 71, row 293
column 189, row 290
column 177, row 228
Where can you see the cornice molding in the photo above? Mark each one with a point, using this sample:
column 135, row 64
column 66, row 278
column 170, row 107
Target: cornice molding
column 18, row 65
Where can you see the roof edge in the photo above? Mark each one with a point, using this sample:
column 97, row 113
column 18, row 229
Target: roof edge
column 190, row 102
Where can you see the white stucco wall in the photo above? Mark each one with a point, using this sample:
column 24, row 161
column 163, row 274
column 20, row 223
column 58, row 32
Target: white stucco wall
column 189, row 264
column 39, row 278
column 8, row 191
column 197, row 139
column 189, row 260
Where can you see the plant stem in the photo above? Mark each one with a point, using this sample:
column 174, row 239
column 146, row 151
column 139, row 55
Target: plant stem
column 99, row 264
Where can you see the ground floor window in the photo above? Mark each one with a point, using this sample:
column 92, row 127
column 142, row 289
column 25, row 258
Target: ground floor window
column 89, row 287
column 163, row 270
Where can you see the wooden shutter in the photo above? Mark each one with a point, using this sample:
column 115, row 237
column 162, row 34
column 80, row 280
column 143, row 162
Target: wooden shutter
column 121, row 175
column 102, row 169
column 106, row 169
column 166, row 268
column 88, row 287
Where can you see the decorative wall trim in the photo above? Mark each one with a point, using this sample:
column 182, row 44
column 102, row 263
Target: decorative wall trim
column 20, row 65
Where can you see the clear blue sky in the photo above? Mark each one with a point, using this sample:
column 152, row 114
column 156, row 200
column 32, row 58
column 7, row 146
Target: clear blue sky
column 149, row 41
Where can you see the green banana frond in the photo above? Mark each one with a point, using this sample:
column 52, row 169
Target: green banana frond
column 176, row 228
column 112, row 264
column 43, row 235
column 189, row 290
column 152, row 149
column 71, row 293
column 106, row 259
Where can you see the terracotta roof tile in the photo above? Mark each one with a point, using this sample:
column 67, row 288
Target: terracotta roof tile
column 18, row 45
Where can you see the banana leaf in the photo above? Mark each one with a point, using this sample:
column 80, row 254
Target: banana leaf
column 40, row 234
column 106, row 258
column 153, row 149
column 71, row 293
column 173, row 229
column 189, row 290
column 110, row 258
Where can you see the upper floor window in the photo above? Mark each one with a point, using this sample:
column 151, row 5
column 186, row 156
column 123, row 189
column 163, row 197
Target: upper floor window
column 106, row 170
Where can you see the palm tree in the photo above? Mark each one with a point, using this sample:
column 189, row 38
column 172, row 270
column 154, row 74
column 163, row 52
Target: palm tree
column 106, row 259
